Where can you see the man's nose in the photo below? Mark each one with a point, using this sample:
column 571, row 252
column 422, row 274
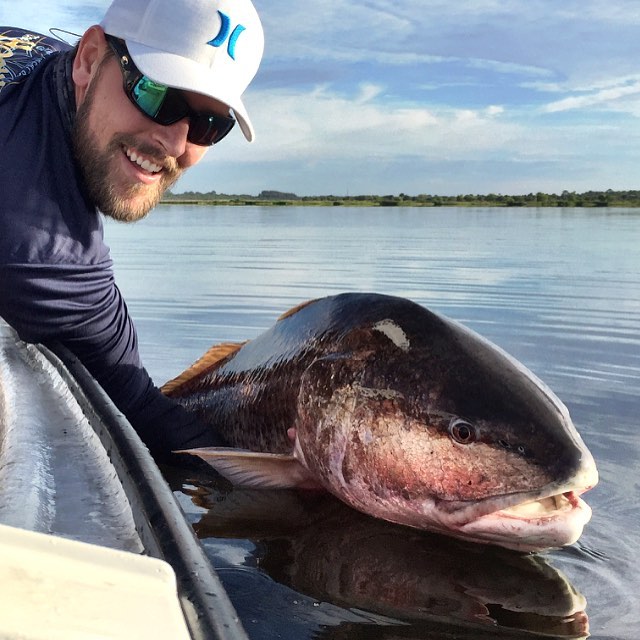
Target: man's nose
column 173, row 137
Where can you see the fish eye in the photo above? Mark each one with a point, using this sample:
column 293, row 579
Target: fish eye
column 462, row 431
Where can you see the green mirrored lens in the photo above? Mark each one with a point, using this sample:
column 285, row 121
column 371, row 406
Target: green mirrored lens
column 149, row 95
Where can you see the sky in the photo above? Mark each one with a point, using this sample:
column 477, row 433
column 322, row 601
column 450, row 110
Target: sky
column 424, row 97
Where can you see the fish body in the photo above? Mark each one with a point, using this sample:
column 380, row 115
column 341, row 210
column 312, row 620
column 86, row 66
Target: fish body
column 401, row 413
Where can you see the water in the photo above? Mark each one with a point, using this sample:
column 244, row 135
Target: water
column 557, row 288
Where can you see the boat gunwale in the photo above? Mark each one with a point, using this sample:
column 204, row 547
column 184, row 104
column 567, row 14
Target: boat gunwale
column 159, row 519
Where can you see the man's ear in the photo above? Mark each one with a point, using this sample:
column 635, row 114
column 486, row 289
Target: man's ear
column 88, row 57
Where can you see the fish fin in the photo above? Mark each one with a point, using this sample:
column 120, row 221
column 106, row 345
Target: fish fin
column 257, row 470
column 297, row 308
column 208, row 361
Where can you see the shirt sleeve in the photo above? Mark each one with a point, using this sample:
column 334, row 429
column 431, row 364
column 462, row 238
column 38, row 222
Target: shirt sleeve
column 83, row 309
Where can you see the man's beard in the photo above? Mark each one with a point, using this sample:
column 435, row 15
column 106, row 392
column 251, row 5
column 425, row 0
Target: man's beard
column 96, row 165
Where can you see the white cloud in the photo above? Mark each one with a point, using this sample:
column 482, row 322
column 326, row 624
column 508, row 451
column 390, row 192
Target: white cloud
column 320, row 125
column 368, row 92
column 604, row 97
column 581, row 85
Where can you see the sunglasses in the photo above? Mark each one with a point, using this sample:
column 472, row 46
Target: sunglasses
column 166, row 105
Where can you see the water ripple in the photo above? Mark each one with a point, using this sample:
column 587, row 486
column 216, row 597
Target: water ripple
column 560, row 290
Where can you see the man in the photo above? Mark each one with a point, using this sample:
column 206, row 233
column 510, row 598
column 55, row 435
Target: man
column 108, row 127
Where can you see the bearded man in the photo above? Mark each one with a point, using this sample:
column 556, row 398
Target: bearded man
column 106, row 128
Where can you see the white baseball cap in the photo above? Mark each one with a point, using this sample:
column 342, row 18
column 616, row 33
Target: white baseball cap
column 212, row 47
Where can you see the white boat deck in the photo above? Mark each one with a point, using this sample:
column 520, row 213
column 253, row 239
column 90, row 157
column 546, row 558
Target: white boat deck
column 52, row 588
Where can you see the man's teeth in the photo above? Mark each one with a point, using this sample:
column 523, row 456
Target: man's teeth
column 142, row 162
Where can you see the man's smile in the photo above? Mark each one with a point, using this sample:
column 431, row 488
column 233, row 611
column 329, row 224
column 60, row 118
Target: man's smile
column 144, row 163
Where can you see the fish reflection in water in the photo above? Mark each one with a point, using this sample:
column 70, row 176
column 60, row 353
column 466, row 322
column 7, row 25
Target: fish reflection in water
column 317, row 546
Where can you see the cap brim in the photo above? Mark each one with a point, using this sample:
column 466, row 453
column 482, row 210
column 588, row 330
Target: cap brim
column 185, row 74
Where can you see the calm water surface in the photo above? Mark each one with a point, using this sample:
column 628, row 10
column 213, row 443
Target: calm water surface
column 557, row 288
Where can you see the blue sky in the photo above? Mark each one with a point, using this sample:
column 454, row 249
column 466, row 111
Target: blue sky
column 421, row 96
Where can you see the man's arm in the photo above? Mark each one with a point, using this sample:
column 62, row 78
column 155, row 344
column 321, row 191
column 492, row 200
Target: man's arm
column 82, row 308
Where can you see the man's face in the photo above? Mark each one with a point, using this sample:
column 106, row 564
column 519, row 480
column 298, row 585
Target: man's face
column 127, row 160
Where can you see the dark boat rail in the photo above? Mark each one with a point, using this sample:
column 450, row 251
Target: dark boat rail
column 159, row 519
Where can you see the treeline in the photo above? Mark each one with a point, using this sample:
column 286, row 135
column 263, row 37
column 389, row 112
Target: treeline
column 607, row 198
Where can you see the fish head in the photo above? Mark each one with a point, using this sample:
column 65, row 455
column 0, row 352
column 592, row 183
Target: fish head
column 420, row 421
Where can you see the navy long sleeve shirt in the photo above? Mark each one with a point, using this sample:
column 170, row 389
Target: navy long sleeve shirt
column 56, row 278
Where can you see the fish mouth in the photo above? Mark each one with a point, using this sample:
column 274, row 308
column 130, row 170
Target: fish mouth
column 529, row 524
column 544, row 507
column 518, row 506
column 528, row 521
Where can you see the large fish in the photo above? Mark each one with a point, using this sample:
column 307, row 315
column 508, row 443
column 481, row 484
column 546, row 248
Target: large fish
column 401, row 413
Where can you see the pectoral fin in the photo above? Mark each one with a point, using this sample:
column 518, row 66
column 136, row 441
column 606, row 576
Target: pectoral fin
column 257, row 470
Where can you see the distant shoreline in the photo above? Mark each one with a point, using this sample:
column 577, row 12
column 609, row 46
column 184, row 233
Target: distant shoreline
column 608, row 198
